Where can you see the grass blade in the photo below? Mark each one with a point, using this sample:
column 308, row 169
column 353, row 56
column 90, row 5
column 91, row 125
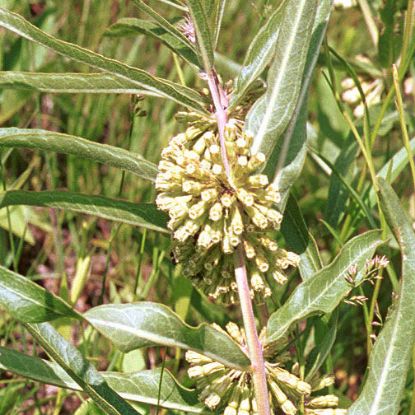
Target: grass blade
column 131, row 326
column 77, row 146
column 144, row 215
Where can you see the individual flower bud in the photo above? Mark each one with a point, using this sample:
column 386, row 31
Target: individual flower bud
column 324, row 382
column 325, row 401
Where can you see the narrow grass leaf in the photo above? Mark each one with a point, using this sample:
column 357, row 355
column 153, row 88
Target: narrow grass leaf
column 28, row 302
column 391, row 355
column 393, row 168
column 140, row 387
column 128, row 26
column 324, row 291
column 144, row 215
column 203, row 34
column 70, row 83
column 80, row 370
column 80, row 147
column 259, row 54
column 271, row 114
column 178, row 93
column 131, row 326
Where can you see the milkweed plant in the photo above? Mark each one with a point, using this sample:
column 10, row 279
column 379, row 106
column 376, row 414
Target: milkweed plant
column 270, row 231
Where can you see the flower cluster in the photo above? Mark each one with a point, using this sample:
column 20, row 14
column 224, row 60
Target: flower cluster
column 213, row 212
column 231, row 391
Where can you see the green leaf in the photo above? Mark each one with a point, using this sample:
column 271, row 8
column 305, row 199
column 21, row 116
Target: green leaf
column 391, row 355
column 80, row 370
column 214, row 10
column 271, row 114
column 28, row 302
column 259, row 54
column 288, row 156
column 393, row 168
column 323, row 292
column 128, row 26
column 130, row 326
column 140, row 386
column 325, row 336
column 174, row 35
column 338, row 193
column 70, row 83
column 300, row 240
column 137, row 214
column 80, row 147
column 203, row 34
column 141, row 78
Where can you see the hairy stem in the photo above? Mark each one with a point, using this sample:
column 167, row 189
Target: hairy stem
column 254, row 345
column 220, row 102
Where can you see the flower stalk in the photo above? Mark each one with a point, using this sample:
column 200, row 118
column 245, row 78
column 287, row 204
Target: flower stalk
column 253, row 343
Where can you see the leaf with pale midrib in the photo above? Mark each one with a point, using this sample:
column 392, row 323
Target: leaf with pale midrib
column 141, row 78
column 145, row 215
column 323, row 292
column 28, row 302
column 271, row 114
column 77, row 146
column 70, row 83
column 131, row 326
column 80, row 370
column 391, row 355
column 130, row 25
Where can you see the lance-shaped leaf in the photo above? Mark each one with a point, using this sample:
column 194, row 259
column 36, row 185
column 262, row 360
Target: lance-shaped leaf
column 203, row 34
column 144, row 215
column 287, row 158
column 259, row 54
column 80, row 147
column 141, row 387
column 132, row 26
column 391, row 355
column 323, row 292
column 70, row 83
column 271, row 114
column 130, row 326
column 80, row 370
column 214, row 10
column 171, row 33
column 28, row 302
column 141, row 78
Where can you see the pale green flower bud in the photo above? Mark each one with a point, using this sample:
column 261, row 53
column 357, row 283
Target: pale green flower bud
column 325, row 401
column 258, row 180
column 216, row 212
